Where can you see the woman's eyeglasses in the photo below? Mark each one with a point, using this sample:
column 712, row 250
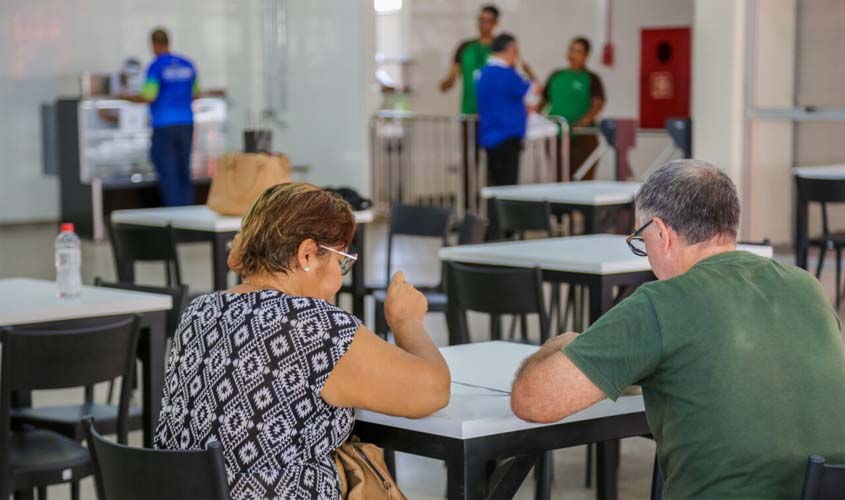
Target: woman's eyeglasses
column 346, row 262
column 636, row 242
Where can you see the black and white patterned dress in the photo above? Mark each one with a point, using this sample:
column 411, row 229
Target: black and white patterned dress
column 247, row 370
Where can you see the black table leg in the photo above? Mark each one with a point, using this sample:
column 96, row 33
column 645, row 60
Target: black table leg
column 466, row 475
column 543, row 477
column 359, row 273
column 607, row 458
column 219, row 255
column 153, row 371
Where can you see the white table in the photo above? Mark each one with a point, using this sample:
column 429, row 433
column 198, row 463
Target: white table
column 598, row 201
column 599, row 261
column 200, row 223
column 818, row 183
column 478, row 424
column 26, row 301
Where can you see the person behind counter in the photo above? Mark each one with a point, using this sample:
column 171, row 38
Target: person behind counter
column 576, row 94
column 170, row 87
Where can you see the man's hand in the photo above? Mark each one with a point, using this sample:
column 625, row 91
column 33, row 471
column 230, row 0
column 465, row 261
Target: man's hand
column 446, row 84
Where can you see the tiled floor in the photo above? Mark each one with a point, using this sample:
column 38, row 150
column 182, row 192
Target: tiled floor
column 27, row 250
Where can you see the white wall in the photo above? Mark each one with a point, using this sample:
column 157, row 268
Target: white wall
column 45, row 44
column 543, row 29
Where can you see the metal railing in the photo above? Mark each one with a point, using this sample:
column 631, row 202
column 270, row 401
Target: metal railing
column 435, row 160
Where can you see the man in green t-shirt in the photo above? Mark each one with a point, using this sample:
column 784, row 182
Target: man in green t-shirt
column 577, row 94
column 740, row 358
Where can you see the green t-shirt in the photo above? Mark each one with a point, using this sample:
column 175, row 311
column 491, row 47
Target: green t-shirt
column 471, row 55
column 742, row 369
column 570, row 93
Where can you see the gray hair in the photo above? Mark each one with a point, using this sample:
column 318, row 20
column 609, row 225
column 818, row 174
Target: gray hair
column 693, row 197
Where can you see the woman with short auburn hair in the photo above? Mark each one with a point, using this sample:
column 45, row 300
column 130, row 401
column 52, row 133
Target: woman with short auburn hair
column 273, row 371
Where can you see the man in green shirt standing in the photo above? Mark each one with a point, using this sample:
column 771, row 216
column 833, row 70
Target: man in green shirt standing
column 576, row 94
column 740, row 358
column 470, row 57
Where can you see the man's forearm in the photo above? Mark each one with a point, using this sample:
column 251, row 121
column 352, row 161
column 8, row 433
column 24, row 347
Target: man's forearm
column 552, row 346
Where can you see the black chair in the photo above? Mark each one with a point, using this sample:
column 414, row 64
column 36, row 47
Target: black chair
column 515, row 218
column 497, row 291
column 471, row 231
column 48, row 359
column 824, row 191
column 123, row 472
column 131, row 244
column 408, row 220
column 823, row 480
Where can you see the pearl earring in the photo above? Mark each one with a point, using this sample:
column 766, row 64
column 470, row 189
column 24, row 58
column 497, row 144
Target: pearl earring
column 306, row 268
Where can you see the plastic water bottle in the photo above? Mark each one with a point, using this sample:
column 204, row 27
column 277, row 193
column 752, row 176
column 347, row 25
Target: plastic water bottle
column 68, row 263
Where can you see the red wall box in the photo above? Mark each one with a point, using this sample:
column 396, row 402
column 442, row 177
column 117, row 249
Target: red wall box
column 665, row 78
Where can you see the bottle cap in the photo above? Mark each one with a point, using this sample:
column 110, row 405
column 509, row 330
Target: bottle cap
column 67, row 227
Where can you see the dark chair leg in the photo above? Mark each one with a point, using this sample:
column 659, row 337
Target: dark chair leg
column 381, row 320
column 822, row 252
column 838, row 277
column 656, row 481
column 543, row 476
column 24, row 494
column 588, row 478
column 42, row 492
column 523, row 327
column 74, row 490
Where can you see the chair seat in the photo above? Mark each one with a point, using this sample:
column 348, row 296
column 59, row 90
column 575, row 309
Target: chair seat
column 39, row 457
column 437, row 301
column 66, row 420
column 837, row 239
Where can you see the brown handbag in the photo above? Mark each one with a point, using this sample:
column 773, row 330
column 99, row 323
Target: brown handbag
column 241, row 177
column 363, row 473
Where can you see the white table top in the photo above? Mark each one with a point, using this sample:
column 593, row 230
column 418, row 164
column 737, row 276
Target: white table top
column 475, row 412
column 595, row 193
column 601, row 254
column 195, row 217
column 832, row 172
column 26, row 301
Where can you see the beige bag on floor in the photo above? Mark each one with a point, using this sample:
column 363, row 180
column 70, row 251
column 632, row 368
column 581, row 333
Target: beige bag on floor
column 363, row 473
column 241, row 177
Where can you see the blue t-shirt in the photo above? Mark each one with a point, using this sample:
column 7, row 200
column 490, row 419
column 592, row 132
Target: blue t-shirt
column 501, row 111
column 170, row 85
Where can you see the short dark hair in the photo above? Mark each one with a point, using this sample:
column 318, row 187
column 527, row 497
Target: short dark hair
column 583, row 41
column 501, row 42
column 491, row 9
column 159, row 37
column 693, row 197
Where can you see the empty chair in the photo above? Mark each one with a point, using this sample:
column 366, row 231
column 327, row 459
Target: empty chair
column 123, row 472
column 408, row 220
column 37, row 360
column 131, row 244
column 497, row 291
column 823, row 192
column 518, row 217
column 823, row 480
column 471, row 230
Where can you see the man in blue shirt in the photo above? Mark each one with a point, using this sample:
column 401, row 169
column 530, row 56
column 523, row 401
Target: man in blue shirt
column 170, row 87
column 502, row 112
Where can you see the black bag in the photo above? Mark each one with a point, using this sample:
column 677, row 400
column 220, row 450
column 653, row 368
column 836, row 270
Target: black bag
column 352, row 197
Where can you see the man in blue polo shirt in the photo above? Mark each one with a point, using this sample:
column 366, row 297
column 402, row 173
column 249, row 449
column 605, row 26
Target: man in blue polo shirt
column 502, row 112
column 170, row 87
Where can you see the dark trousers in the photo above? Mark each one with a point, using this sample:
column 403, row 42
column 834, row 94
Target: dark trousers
column 171, row 155
column 503, row 162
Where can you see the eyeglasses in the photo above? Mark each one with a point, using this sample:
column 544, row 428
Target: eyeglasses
column 636, row 242
column 346, row 262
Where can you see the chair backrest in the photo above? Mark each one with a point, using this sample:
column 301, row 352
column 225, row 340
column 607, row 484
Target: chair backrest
column 178, row 294
column 45, row 357
column 823, row 480
column 411, row 220
column 521, row 216
column 123, row 472
column 498, row 290
column 822, row 191
column 471, row 230
column 131, row 244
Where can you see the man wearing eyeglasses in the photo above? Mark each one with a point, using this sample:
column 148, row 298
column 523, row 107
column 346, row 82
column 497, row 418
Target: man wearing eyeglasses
column 740, row 358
